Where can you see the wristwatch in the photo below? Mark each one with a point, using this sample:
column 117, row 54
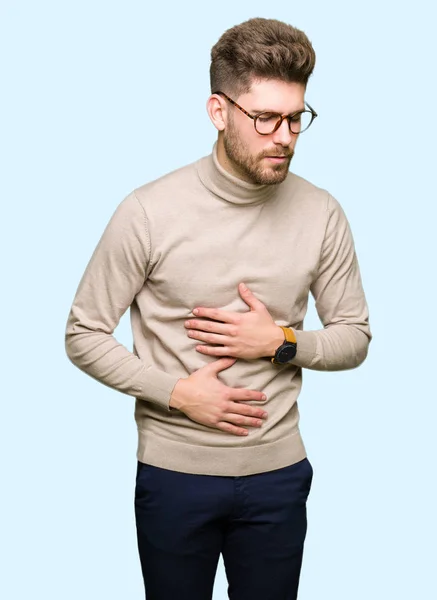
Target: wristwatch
column 287, row 350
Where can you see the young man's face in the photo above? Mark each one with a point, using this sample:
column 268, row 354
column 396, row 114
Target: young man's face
column 251, row 156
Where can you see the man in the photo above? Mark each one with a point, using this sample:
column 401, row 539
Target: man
column 216, row 261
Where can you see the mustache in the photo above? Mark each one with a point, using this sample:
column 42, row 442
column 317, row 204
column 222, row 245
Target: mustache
column 276, row 155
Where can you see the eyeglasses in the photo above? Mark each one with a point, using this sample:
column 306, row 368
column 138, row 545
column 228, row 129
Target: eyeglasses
column 267, row 123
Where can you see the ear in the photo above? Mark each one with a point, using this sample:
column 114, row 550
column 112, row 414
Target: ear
column 216, row 108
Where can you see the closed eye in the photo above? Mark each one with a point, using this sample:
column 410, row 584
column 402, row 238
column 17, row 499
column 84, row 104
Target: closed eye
column 265, row 117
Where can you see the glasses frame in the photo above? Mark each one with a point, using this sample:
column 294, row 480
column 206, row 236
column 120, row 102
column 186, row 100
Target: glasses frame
column 281, row 117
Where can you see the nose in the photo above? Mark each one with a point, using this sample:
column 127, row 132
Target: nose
column 283, row 134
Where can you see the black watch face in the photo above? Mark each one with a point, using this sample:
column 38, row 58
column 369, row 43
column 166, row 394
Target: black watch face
column 287, row 353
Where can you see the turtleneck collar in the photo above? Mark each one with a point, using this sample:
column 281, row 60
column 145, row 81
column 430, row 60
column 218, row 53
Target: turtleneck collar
column 228, row 187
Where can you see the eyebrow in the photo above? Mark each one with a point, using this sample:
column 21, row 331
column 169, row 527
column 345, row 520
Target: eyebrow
column 269, row 110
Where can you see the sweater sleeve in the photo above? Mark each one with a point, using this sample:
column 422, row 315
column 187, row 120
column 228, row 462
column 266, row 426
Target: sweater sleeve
column 115, row 273
column 340, row 303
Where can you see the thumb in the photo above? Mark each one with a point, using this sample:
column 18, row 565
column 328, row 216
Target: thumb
column 220, row 365
column 250, row 298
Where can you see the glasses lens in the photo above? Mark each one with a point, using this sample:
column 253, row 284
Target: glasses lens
column 267, row 122
column 301, row 121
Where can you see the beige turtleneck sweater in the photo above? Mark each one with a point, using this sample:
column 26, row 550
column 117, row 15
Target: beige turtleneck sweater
column 188, row 239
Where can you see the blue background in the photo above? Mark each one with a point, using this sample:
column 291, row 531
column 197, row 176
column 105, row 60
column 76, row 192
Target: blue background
column 100, row 97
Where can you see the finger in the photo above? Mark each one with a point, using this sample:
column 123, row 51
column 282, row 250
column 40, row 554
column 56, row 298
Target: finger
column 220, row 365
column 248, row 410
column 229, row 428
column 209, row 338
column 242, row 394
column 243, row 420
column 250, row 298
column 216, row 314
column 209, row 326
column 215, row 350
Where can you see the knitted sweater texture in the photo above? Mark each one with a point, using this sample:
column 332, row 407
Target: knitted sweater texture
column 188, row 239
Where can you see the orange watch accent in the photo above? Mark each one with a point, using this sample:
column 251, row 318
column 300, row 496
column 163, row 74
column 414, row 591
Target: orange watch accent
column 289, row 334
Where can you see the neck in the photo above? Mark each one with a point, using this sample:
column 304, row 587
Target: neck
column 229, row 187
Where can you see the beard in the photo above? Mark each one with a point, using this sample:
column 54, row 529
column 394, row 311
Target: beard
column 253, row 167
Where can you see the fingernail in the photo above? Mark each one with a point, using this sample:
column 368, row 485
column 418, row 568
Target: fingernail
column 264, row 397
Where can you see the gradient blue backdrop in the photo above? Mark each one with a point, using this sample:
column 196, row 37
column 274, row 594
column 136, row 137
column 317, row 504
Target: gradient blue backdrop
column 87, row 90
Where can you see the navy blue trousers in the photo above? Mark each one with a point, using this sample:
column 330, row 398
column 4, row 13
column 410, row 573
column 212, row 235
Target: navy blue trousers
column 257, row 522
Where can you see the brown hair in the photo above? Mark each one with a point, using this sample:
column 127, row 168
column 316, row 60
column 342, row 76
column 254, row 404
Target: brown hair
column 260, row 49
